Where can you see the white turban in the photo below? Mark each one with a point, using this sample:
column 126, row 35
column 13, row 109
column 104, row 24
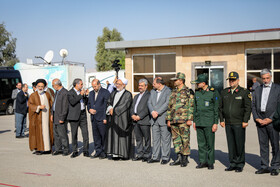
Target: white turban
column 124, row 80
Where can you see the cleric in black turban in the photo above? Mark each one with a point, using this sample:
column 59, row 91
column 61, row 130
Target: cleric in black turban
column 41, row 81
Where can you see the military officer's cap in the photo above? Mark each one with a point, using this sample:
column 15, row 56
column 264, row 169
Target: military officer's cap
column 200, row 78
column 233, row 75
column 179, row 75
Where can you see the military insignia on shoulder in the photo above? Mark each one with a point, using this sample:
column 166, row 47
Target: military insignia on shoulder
column 191, row 92
column 212, row 89
column 250, row 96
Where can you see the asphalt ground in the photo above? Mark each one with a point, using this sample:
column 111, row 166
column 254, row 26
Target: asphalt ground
column 19, row 167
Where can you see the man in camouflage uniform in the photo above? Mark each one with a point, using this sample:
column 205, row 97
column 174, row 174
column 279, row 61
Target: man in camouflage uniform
column 179, row 118
column 206, row 115
column 235, row 110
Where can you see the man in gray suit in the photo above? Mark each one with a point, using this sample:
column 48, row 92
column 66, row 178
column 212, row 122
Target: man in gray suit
column 59, row 114
column 141, row 121
column 158, row 104
column 264, row 105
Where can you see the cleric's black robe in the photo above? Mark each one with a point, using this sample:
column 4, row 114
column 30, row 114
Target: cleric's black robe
column 118, row 140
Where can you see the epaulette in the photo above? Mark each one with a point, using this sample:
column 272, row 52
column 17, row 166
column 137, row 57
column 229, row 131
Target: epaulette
column 191, row 92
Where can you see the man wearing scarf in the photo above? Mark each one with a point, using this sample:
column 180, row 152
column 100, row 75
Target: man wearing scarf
column 118, row 142
column 40, row 126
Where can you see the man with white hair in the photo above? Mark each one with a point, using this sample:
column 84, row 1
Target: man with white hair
column 118, row 142
column 264, row 106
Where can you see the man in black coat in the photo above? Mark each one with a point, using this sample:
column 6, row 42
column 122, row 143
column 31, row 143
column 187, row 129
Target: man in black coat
column 118, row 139
column 141, row 120
column 264, row 105
column 21, row 111
column 97, row 104
column 59, row 114
column 77, row 116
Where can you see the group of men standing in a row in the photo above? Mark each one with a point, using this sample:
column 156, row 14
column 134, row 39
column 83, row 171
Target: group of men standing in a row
column 168, row 113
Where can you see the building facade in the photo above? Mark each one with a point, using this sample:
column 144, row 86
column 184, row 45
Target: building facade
column 245, row 52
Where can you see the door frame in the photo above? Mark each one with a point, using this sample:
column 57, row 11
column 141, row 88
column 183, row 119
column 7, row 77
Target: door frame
column 195, row 65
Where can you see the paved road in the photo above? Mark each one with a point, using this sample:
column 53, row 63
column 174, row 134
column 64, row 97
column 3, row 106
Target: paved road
column 19, row 167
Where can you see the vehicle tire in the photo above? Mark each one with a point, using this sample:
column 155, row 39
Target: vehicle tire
column 10, row 109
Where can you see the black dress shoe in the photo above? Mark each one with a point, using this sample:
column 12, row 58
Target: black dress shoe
column 94, row 156
column 56, row 153
column 238, row 169
column 137, row 158
column 65, row 153
column 262, row 171
column 19, row 137
column 102, row 156
column 201, row 165
column 47, row 152
column 163, row 162
column 74, row 154
column 210, row 166
column 38, row 152
column 152, row 161
column 230, row 168
column 274, row 172
column 116, row 158
column 86, row 154
column 145, row 159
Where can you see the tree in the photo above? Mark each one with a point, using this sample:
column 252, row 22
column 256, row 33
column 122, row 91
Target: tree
column 103, row 57
column 7, row 47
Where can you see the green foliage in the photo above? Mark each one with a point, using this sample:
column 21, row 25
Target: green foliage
column 103, row 57
column 7, row 47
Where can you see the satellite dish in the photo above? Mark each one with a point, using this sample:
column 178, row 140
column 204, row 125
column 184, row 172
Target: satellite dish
column 63, row 53
column 48, row 56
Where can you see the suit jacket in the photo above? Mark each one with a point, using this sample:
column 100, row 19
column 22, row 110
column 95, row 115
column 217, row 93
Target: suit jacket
column 142, row 109
column 21, row 103
column 100, row 104
column 74, row 105
column 14, row 97
column 276, row 118
column 61, row 106
column 160, row 106
column 273, row 98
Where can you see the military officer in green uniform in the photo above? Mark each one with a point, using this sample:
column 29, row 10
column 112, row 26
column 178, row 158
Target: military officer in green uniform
column 235, row 110
column 206, row 115
column 179, row 118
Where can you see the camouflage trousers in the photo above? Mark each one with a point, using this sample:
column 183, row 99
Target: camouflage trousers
column 181, row 138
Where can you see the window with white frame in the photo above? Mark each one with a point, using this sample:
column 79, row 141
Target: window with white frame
column 258, row 59
column 149, row 66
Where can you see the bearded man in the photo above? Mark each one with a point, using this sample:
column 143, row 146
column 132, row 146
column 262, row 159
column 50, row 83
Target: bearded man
column 40, row 126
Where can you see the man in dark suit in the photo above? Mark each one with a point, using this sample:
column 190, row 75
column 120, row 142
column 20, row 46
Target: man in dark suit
column 59, row 114
column 141, row 121
column 14, row 97
column 77, row 116
column 97, row 104
column 264, row 105
column 21, row 111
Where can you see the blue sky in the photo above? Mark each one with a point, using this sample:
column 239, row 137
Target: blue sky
column 42, row 25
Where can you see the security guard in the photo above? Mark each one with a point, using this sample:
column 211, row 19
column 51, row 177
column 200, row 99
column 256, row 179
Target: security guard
column 206, row 115
column 235, row 110
column 179, row 117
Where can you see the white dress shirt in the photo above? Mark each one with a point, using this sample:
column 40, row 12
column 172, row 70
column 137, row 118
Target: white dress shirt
column 265, row 94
